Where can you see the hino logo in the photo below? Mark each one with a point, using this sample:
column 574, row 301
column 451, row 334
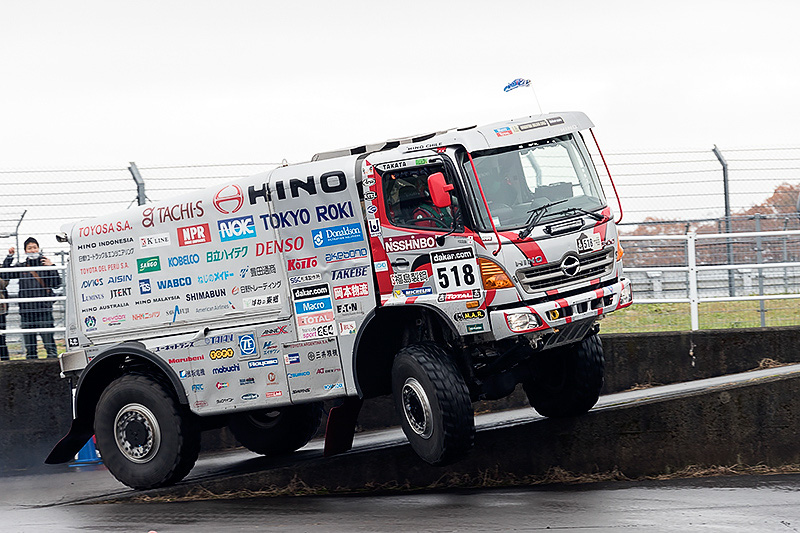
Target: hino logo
column 570, row 265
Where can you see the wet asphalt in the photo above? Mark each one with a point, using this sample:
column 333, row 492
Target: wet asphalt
column 51, row 503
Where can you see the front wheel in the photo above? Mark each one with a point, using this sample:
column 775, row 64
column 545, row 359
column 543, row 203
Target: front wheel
column 146, row 438
column 277, row 431
column 566, row 381
column 433, row 403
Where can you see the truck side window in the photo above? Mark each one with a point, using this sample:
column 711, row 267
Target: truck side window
column 408, row 202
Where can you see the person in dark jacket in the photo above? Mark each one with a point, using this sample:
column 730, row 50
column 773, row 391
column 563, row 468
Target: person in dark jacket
column 35, row 284
column 3, row 312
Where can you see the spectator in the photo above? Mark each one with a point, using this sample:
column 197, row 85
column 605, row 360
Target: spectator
column 35, row 284
column 3, row 312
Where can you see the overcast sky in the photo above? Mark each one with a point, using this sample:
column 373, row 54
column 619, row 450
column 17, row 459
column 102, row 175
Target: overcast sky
column 88, row 83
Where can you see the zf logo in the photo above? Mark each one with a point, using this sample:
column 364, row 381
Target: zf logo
column 247, row 344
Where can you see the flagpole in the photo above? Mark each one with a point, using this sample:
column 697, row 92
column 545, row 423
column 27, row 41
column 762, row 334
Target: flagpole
column 537, row 100
column 519, row 82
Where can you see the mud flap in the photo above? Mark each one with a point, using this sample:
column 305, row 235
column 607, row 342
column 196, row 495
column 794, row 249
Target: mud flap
column 341, row 427
column 71, row 444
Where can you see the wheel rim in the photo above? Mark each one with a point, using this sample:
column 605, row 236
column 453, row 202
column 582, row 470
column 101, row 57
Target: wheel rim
column 137, row 433
column 417, row 408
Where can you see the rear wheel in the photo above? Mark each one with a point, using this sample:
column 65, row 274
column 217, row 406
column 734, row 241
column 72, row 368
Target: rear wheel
column 146, row 438
column 567, row 381
column 433, row 403
column 277, row 431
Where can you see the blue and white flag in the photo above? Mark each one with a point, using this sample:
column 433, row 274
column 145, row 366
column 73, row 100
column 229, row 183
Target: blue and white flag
column 519, row 82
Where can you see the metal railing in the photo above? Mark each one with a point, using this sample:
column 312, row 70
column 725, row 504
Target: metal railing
column 706, row 268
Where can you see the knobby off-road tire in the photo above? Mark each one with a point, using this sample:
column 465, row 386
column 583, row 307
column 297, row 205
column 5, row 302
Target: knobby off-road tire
column 145, row 437
column 433, row 403
column 277, row 431
column 567, row 381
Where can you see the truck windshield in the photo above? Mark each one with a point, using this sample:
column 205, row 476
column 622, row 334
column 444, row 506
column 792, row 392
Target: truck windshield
column 519, row 179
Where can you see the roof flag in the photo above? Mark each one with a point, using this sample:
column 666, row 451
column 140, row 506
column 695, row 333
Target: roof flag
column 519, row 82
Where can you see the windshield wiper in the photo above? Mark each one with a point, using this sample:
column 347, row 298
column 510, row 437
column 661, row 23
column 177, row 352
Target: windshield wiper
column 582, row 211
column 536, row 215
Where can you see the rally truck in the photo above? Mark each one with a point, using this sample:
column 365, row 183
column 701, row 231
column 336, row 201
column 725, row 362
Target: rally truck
column 442, row 269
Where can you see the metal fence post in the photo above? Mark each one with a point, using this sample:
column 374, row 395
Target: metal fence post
column 728, row 244
column 691, row 258
column 137, row 177
column 759, row 260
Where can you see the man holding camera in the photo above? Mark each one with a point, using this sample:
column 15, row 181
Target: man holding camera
column 35, row 284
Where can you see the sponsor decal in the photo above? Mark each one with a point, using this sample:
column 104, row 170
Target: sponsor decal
column 89, row 283
column 221, row 385
column 144, row 286
column 477, row 314
column 292, row 358
column 300, row 264
column 277, row 330
column 316, row 355
column 372, row 209
column 337, row 235
column 148, row 315
column 108, row 254
column 589, row 243
column 220, row 339
column 212, row 308
column 408, row 243
column 374, row 227
column 192, row 373
column 261, row 270
column 120, row 293
column 270, row 348
column 197, row 387
column 334, row 386
column 73, row 342
column 555, row 121
column 452, row 255
column 148, row 264
column 92, row 297
column 293, row 375
column 247, row 344
column 261, row 301
column 224, row 400
column 122, row 278
column 154, row 241
column 329, row 182
column 233, row 229
column 381, row 266
column 351, row 291
column 200, row 403
column 461, row 295
column 214, row 277
column 228, row 199
column 305, row 278
column 328, row 370
column 272, row 378
column 176, row 346
column 262, row 363
column 197, row 234
column 226, row 369
column 410, row 293
column 455, row 270
column 348, row 308
column 352, row 272
column 368, row 182
column 474, row 328
column 533, row 125
column 174, row 283
column 346, row 255
column 273, row 394
column 226, row 255
column 183, row 260
column 405, row 278
column 301, row 391
column 174, row 213
column 369, row 195
column 204, row 295
column 317, row 332
column 223, row 353
column 249, row 396
column 347, row 328
column 104, row 228
column 281, row 246
column 503, row 132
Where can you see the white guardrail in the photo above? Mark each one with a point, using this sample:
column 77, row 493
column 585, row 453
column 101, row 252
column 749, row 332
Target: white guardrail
column 693, row 270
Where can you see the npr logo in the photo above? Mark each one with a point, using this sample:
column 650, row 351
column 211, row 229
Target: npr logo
column 194, row 235
column 233, row 229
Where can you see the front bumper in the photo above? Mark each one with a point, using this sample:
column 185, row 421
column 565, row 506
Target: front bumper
column 554, row 314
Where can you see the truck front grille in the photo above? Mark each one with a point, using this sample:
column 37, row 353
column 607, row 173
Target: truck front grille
column 550, row 276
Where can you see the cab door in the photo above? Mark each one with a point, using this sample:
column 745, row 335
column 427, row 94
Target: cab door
column 427, row 260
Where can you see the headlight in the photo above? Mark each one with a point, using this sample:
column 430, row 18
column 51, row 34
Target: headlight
column 522, row 322
column 626, row 296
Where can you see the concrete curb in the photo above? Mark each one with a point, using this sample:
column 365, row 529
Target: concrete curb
column 753, row 421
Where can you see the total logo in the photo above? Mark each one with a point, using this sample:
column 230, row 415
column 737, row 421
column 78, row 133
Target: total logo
column 228, row 199
column 233, row 229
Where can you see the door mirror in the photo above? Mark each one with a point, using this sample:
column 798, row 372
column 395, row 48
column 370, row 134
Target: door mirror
column 440, row 190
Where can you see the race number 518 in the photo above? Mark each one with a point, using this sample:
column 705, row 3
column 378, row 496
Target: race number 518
column 455, row 270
